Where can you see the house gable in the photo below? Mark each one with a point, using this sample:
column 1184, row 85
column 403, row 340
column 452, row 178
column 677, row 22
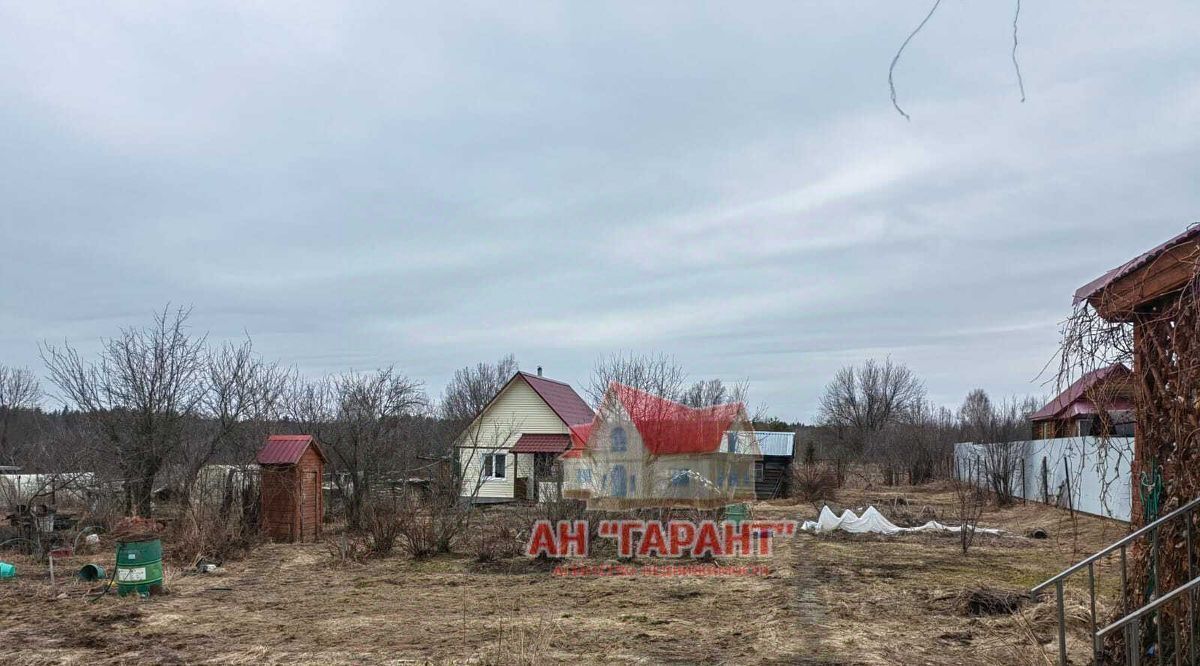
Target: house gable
column 518, row 410
column 515, row 410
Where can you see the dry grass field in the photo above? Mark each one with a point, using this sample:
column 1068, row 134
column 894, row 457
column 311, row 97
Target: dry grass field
column 826, row 600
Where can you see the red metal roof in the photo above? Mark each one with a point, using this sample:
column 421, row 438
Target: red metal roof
column 286, row 449
column 666, row 426
column 561, row 398
column 1090, row 289
column 1077, row 392
column 539, row 443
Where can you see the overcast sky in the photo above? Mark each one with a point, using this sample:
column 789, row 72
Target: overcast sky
column 724, row 182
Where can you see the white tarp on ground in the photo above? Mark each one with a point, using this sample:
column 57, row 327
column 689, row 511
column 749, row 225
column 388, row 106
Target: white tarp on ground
column 871, row 521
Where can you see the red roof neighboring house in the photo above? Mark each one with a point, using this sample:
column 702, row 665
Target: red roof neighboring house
column 287, row 449
column 666, row 427
column 541, row 443
column 1075, row 401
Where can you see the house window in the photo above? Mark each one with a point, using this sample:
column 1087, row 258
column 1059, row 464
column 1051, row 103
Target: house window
column 619, row 482
column 681, row 477
column 731, row 441
column 583, row 476
column 758, row 471
column 619, row 441
column 493, row 466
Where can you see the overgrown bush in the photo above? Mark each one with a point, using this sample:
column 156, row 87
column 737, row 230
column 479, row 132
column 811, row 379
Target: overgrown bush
column 499, row 538
column 188, row 542
column 382, row 522
column 417, row 530
column 348, row 548
column 814, row 482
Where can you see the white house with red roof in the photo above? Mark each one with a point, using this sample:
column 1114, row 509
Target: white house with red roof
column 509, row 451
column 644, row 450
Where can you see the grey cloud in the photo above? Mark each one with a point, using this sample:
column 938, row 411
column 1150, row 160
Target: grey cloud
column 428, row 186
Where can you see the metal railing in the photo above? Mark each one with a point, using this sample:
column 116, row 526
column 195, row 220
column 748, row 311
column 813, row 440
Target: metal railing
column 1128, row 620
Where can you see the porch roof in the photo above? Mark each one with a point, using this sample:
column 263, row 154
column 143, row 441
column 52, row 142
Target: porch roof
column 541, row 443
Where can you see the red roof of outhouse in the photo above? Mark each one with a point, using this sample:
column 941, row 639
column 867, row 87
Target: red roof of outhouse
column 286, row 449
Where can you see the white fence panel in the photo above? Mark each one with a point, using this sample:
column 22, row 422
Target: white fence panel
column 1098, row 471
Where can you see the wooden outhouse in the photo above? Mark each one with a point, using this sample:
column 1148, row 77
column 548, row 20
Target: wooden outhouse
column 293, row 504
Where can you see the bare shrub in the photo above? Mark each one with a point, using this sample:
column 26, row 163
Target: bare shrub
column 211, row 541
column 499, row 538
column 814, row 482
column 347, row 548
column 417, row 531
column 382, row 522
column 970, row 501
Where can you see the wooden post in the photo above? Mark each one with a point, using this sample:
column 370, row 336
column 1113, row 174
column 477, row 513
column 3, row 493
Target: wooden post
column 1070, row 500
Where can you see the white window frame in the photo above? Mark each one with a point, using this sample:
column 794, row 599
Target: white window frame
column 760, row 470
column 487, row 466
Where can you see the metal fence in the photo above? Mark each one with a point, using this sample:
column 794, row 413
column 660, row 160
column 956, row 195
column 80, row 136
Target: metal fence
column 1087, row 474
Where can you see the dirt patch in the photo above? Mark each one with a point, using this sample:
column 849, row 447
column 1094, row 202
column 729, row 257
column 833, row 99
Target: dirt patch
column 983, row 601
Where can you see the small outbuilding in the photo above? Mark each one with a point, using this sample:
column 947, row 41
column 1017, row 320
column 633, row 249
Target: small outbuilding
column 293, row 504
column 773, row 472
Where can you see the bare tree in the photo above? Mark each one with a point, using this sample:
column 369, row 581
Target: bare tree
column 241, row 396
column 19, row 390
column 656, row 374
column 922, row 443
column 161, row 404
column 1004, row 438
column 706, row 393
column 863, row 401
column 138, row 396
column 472, row 388
column 365, row 423
column 976, row 414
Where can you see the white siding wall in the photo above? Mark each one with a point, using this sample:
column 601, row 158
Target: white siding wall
column 516, row 411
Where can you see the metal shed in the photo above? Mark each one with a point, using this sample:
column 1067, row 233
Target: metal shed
column 293, row 504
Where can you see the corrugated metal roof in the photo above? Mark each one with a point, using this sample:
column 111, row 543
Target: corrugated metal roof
column 1078, row 391
column 561, row 398
column 1090, row 289
column 541, row 443
column 776, row 443
column 286, row 449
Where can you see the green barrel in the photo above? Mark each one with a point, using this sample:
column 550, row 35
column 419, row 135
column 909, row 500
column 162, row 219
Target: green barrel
column 736, row 513
column 92, row 572
column 139, row 567
column 7, row 570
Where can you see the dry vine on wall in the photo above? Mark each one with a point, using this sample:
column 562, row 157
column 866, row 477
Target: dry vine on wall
column 1161, row 344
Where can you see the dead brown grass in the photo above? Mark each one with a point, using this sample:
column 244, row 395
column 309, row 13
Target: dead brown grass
column 836, row 600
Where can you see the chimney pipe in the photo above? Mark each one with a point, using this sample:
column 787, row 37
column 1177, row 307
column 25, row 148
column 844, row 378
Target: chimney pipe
column 539, row 371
